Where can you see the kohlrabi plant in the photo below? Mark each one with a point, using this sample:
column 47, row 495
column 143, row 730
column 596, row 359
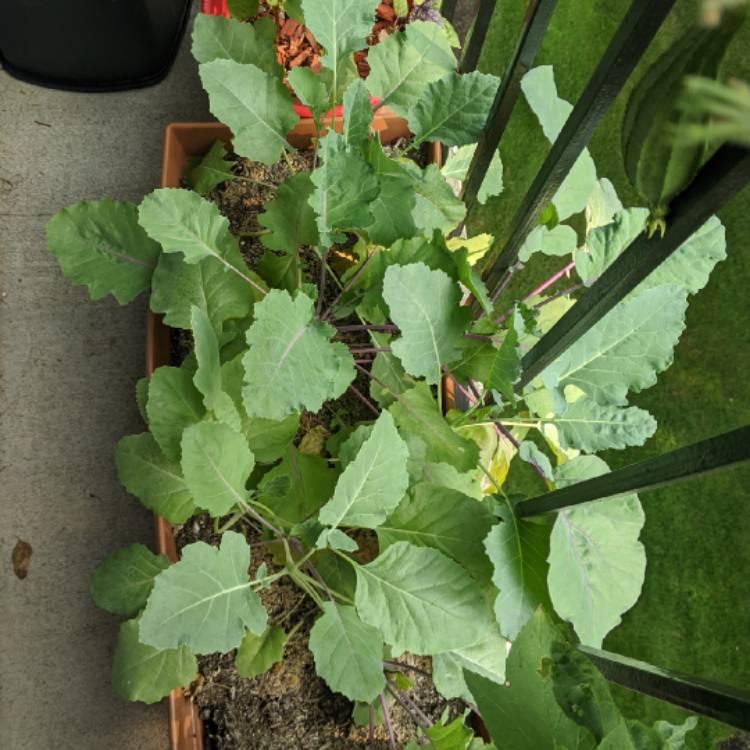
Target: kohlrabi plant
column 450, row 571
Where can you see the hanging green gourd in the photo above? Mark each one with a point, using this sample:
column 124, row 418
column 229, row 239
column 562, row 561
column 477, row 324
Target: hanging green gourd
column 658, row 164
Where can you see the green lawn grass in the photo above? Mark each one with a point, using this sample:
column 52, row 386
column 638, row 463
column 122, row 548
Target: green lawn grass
column 694, row 612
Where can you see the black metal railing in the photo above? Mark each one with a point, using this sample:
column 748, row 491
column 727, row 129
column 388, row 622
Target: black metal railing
column 718, row 180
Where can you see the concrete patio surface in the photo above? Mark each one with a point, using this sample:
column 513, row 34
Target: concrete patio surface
column 67, row 376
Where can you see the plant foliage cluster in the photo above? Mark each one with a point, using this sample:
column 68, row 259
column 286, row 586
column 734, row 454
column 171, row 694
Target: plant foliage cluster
column 458, row 575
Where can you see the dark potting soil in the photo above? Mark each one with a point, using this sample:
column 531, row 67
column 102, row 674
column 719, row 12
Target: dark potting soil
column 289, row 706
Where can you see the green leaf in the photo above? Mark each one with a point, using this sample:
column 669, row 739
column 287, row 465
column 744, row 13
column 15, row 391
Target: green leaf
column 336, row 539
column 428, row 436
column 348, row 654
column 605, row 243
column 219, row 38
column 518, row 550
column 178, row 286
column 122, row 582
column 141, row 396
column 674, row 734
column 373, row 484
column 444, row 475
column 357, row 114
column 453, row 736
column 312, row 483
column 559, row 241
column 589, row 427
column 446, row 520
column 420, row 600
column 258, row 653
column 340, row 27
column 345, row 188
column 207, row 378
column 391, row 380
column 525, row 715
column 457, row 166
column 424, row 304
column 143, row 673
column 538, row 85
column 404, row 63
column 174, row 403
column 437, row 207
column 216, row 462
column 101, row 245
column 471, row 278
column 292, row 364
column 486, row 658
column 454, row 109
column 156, row 481
column 255, row 105
column 213, row 168
column 625, row 350
column 596, row 562
column 204, row 601
column 289, row 215
column 242, row 9
column 313, row 89
column 281, row 271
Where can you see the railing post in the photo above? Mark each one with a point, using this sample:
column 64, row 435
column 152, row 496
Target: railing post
column 477, row 35
column 630, row 41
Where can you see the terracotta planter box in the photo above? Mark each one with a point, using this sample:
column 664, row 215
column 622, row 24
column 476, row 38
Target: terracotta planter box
column 182, row 142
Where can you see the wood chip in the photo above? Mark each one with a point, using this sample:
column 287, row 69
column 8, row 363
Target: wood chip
column 21, row 559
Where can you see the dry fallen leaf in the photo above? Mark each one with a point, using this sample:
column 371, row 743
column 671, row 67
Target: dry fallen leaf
column 21, row 558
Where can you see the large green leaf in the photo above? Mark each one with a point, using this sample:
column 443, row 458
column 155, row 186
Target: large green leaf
column 348, row 654
column 143, row 673
column 625, row 350
column 373, row 484
column 292, row 364
column 454, row 109
column 340, row 27
column 311, row 479
column 174, row 403
column 457, row 166
column 345, row 188
column 404, row 63
column 357, row 114
column 424, row 304
column 219, row 38
column 446, row 520
column 216, row 462
column 538, row 85
column 596, row 562
column 518, row 550
column 207, row 378
column 289, row 216
column 212, row 170
column 525, row 715
column 204, row 601
column 101, row 245
column 428, row 436
column 558, row 241
column 155, row 480
column 178, row 286
column 255, row 105
column 437, row 208
column 258, row 653
column 453, row 736
column 122, row 582
column 420, row 600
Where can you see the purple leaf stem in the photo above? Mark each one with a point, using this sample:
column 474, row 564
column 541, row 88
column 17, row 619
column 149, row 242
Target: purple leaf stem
column 349, row 284
column 388, row 723
column 388, row 328
column 369, row 349
column 321, row 284
column 366, row 401
column 508, row 276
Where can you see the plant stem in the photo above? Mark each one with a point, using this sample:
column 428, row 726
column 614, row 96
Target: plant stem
column 396, row 396
column 370, row 724
column 504, row 283
column 388, row 327
column 349, row 284
column 397, row 666
column 231, row 522
column 257, row 287
column 256, row 233
column 551, row 280
column 388, row 724
column 321, row 284
column 370, row 349
column 502, row 431
column 557, row 295
column 410, row 707
column 366, row 401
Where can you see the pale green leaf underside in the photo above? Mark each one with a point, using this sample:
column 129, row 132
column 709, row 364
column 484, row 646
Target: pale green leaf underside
column 424, row 304
column 457, row 165
column 625, row 350
column 292, row 365
column 101, row 245
column 420, row 600
column 212, row 170
column 155, row 480
column 204, row 601
column 122, row 582
column 373, row 483
column 258, row 653
column 348, row 654
column 255, row 105
column 143, row 673
column 559, row 241
column 216, row 462
column 596, row 562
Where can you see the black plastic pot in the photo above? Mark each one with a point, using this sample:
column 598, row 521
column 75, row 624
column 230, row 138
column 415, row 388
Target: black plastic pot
column 91, row 45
